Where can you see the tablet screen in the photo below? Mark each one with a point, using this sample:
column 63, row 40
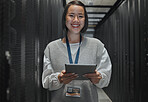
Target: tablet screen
column 80, row 69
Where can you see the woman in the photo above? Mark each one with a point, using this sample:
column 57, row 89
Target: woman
column 74, row 48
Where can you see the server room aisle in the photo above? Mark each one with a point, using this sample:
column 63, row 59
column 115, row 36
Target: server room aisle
column 27, row 26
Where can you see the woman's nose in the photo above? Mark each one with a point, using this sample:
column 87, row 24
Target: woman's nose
column 76, row 19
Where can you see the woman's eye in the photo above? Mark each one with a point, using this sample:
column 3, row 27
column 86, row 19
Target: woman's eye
column 71, row 15
column 81, row 16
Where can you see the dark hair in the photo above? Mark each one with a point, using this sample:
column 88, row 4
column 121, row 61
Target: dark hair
column 79, row 3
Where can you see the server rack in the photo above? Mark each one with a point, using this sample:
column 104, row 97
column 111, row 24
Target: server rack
column 27, row 26
column 125, row 36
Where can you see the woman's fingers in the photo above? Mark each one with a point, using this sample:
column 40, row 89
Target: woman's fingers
column 66, row 80
column 66, row 77
column 94, row 77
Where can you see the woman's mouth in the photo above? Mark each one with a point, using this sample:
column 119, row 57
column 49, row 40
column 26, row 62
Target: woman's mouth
column 75, row 25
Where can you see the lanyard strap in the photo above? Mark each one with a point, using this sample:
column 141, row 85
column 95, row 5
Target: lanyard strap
column 69, row 51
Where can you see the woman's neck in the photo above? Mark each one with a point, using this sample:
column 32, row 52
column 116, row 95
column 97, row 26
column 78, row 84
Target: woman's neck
column 72, row 38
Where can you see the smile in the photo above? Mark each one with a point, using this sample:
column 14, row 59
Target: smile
column 75, row 25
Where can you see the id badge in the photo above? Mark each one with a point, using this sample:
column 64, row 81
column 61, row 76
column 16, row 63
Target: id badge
column 73, row 91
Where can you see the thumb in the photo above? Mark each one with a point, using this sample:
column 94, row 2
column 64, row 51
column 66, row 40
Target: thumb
column 63, row 71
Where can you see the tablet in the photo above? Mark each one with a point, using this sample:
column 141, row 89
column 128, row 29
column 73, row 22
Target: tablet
column 80, row 69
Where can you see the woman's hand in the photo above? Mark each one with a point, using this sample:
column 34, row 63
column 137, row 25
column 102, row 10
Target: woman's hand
column 66, row 78
column 94, row 77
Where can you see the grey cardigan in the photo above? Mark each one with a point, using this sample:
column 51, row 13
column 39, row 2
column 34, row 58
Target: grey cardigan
column 92, row 51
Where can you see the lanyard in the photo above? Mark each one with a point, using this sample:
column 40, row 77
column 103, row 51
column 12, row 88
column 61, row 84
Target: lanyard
column 69, row 51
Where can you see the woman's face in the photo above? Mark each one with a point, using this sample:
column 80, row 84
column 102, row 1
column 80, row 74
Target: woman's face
column 75, row 19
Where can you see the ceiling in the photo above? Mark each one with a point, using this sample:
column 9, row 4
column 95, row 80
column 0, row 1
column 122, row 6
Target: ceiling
column 96, row 2
column 98, row 11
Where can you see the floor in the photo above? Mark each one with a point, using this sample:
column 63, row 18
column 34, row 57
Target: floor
column 103, row 96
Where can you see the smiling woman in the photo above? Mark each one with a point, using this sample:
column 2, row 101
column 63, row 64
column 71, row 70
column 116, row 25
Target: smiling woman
column 75, row 49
